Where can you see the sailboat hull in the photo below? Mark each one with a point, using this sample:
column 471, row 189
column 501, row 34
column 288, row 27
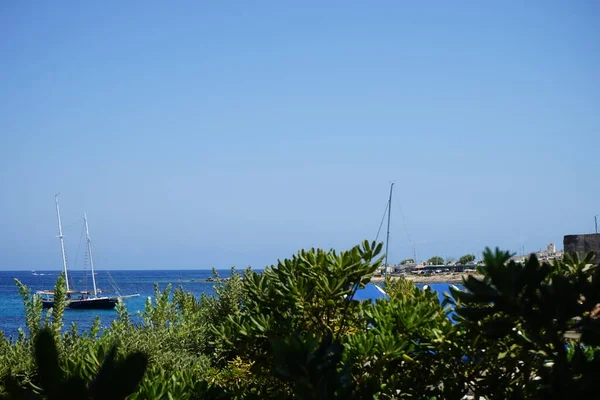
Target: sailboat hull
column 105, row 303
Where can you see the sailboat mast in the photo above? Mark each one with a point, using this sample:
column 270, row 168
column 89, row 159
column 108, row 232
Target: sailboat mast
column 89, row 248
column 387, row 239
column 62, row 240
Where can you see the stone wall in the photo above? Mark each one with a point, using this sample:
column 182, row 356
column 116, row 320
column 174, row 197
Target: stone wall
column 582, row 244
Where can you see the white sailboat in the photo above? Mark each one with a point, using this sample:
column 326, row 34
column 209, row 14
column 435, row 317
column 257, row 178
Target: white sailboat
column 79, row 299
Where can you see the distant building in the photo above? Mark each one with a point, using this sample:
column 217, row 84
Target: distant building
column 391, row 268
column 543, row 255
column 549, row 254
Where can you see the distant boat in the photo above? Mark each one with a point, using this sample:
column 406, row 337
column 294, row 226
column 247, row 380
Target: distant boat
column 79, row 299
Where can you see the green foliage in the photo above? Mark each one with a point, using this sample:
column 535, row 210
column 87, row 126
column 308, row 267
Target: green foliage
column 116, row 379
column 295, row 331
column 310, row 292
column 58, row 309
column 435, row 260
column 33, row 309
column 175, row 335
column 398, row 287
column 311, row 367
column 467, row 258
column 409, row 348
column 310, row 296
column 160, row 313
column 519, row 319
column 407, row 261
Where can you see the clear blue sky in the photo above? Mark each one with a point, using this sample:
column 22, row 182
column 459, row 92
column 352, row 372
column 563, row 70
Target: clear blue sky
column 235, row 133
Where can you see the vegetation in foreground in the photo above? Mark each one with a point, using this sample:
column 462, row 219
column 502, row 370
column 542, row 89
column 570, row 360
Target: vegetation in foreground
column 295, row 331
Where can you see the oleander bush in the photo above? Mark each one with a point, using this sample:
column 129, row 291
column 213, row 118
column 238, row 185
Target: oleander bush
column 295, row 331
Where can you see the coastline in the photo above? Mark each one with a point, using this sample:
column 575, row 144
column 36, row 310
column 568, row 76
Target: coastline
column 449, row 277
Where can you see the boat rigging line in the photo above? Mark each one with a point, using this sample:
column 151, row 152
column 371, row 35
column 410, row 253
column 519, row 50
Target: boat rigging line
column 77, row 257
column 113, row 283
column 89, row 247
column 388, row 211
column 382, row 219
column 111, row 280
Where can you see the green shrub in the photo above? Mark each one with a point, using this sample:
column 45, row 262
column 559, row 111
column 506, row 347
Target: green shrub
column 295, row 331
column 520, row 320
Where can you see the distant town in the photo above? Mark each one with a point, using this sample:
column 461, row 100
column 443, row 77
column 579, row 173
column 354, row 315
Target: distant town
column 466, row 263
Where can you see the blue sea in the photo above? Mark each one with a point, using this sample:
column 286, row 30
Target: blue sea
column 12, row 312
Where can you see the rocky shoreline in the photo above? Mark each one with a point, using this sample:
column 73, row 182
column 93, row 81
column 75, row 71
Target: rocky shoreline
column 449, row 277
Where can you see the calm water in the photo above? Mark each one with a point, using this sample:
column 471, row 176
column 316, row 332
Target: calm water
column 12, row 313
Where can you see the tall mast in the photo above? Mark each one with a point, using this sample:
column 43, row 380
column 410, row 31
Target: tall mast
column 387, row 239
column 89, row 247
column 62, row 241
column 596, row 222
